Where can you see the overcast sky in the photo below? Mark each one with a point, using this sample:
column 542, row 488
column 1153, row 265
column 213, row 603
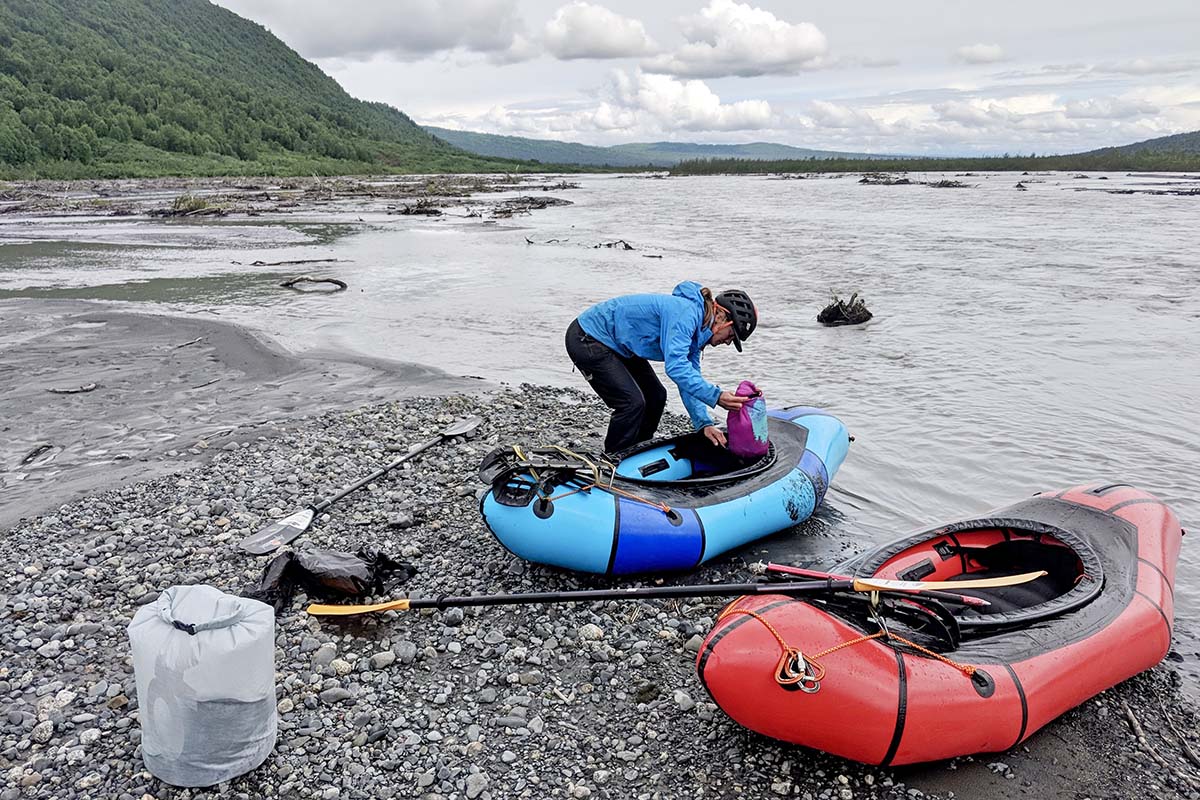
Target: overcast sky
column 917, row 76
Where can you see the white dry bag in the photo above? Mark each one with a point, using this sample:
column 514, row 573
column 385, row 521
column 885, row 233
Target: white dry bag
column 204, row 663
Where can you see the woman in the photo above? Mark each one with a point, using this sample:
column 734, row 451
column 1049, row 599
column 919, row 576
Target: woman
column 613, row 342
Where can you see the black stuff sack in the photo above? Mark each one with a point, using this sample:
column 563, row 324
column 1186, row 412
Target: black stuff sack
column 328, row 575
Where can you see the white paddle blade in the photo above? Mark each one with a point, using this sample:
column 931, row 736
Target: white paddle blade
column 889, row 585
column 277, row 534
column 462, row 426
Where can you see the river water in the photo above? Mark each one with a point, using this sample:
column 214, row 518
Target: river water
column 1022, row 340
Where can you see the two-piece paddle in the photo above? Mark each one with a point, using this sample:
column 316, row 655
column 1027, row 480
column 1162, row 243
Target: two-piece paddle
column 700, row 590
column 279, row 533
column 948, row 597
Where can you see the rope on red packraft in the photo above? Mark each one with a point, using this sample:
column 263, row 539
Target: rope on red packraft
column 795, row 668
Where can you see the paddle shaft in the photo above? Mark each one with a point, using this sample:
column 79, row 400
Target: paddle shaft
column 637, row 592
column 582, row 596
column 325, row 503
column 948, row 597
column 591, row 595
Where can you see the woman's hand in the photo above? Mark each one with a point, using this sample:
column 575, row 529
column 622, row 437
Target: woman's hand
column 714, row 435
column 732, row 402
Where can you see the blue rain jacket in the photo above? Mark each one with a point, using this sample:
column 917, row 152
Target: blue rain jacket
column 658, row 327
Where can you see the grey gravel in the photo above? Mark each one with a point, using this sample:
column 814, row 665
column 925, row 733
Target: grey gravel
column 591, row 700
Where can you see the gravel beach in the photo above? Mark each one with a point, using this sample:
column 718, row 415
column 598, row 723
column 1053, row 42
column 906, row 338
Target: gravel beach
column 571, row 701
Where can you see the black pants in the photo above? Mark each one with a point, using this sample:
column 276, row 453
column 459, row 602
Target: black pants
column 626, row 385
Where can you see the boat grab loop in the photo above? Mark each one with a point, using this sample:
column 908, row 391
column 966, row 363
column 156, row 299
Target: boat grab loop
column 794, row 670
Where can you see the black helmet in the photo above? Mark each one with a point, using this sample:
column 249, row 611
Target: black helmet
column 741, row 312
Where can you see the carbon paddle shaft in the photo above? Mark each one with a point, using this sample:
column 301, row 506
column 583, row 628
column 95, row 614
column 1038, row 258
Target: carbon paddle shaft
column 635, row 592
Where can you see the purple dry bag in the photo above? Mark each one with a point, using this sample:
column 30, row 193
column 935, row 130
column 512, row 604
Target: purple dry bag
column 748, row 425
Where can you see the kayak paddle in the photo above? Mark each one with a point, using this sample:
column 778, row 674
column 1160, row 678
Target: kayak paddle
column 279, row 533
column 700, row 590
column 949, row 597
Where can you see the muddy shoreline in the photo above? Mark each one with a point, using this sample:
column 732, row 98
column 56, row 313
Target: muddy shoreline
column 168, row 392
column 494, row 703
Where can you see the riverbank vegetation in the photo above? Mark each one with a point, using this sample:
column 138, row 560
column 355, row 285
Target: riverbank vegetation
column 1110, row 160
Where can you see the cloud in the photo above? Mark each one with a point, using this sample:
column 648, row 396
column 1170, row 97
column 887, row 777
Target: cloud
column 876, row 62
column 583, row 30
column 686, row 105
column 971, row 114
column 729, row 38
column 632, row 105
column 825, row 114
column 1110, row 108
column 360, row 29
column 1148, row 66
column 979, row 54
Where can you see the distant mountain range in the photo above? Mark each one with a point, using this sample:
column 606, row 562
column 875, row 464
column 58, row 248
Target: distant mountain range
column 669, row 154
column 655, row 154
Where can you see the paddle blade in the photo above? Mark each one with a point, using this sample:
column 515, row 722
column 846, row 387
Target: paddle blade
column 323, row 610
column 277, row 534
column 462, row 426
column 888, row 585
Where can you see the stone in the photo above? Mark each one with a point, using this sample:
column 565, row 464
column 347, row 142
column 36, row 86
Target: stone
column 335, row 695
column 324, row 656
column 590, row 632
column 401, row 520
column 405, row 651
column 50, row 650
column 476, row 783
column 382, row 660
column 42, row 732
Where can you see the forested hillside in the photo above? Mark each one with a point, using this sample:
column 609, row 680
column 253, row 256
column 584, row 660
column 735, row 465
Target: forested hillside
column 1178, row 143
column 149, row 87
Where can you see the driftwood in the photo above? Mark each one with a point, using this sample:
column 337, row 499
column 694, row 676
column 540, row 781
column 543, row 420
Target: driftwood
column 290, row 263
column 197, row 340
column 646, row 255
column 291, row 282
column 33, row 454
column 206, row 383
column 87, row 387
column 1159, row 192
column 548, row 241
column 1188, row 750
column 525, row 204
column 944, row 184
column 883, row 179
column 843, row 312
column 1144, row 742
column 619, row 244
column 423, row 208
